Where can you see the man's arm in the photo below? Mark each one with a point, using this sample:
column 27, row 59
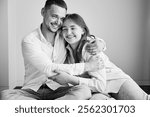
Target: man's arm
column 97, row 82
column 96, row 45
column 33, row 53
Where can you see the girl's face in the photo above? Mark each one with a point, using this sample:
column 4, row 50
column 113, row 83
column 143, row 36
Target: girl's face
column 72, row 32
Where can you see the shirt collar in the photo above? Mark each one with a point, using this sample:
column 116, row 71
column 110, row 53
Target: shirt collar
column 68, row 47
column 42, row 38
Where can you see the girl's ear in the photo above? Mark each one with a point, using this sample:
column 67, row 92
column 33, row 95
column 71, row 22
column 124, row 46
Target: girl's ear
column 83, row 31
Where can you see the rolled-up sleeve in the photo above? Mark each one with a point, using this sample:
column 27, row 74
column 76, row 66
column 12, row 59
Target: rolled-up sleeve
column 97, row 83
column 34, row 55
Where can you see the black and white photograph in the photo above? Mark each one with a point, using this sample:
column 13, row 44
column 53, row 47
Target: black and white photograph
column 75, row 50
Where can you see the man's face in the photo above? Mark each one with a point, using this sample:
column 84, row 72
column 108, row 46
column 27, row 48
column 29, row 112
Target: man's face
column 53, row 17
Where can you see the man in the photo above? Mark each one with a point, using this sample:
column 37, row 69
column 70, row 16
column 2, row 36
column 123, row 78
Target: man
column 44, row 52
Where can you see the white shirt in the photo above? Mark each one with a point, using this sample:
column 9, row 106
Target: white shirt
column 108, row 80
column 96, row 81
column 41, row 59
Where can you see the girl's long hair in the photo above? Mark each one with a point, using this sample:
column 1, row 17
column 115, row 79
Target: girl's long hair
column 76, row 18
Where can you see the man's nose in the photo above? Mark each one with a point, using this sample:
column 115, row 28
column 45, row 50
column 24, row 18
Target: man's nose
column 59, row 22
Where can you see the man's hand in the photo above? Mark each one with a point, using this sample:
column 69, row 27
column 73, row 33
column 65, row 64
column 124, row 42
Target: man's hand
column 94, row 63
column 95, row 46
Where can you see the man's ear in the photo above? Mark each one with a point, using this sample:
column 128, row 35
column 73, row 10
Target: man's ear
column 42, row 11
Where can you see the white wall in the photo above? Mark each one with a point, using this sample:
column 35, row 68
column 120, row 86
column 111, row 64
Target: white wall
column 12, row 46
column 24, row 16
column 3, row 44
column 121, row 23
column 28, row 17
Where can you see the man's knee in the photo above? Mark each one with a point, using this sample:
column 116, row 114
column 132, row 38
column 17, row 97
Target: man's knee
column 8, row 94
column 14, row 94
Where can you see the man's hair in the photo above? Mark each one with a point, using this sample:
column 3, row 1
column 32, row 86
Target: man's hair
column 60, row 3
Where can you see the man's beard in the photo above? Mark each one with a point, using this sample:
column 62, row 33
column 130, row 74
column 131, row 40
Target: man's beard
column 52, row 29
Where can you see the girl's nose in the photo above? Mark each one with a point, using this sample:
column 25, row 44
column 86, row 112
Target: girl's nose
column 69, row 31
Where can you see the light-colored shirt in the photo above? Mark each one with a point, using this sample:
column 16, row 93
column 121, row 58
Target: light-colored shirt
column 108, row 80
column 96, row 81
column 41, row 59
column 115, row 77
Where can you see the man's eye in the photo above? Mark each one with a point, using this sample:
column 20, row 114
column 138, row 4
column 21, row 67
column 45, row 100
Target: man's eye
column 64, row 29
column 54, row 17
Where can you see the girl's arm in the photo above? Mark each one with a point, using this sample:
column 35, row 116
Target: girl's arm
column 98, row 78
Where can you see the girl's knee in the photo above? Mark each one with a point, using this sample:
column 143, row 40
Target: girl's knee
column 81, row 92
column 86, row 91
column 100, row 96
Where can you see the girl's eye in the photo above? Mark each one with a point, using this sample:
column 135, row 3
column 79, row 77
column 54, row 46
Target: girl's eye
column 73, row 28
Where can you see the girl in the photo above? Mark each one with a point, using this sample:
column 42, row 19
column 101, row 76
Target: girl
column 109, row 79
column 77, row 36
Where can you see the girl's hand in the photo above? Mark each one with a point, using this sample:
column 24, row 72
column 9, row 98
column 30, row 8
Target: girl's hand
column 61, row 77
